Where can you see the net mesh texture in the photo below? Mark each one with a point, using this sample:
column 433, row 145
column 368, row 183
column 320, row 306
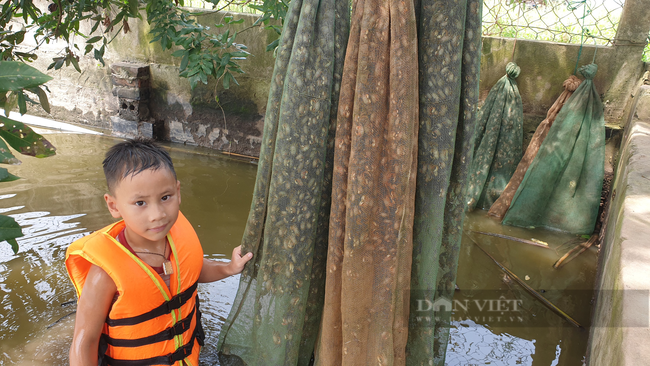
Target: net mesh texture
column 562, row 187
column 335, row 280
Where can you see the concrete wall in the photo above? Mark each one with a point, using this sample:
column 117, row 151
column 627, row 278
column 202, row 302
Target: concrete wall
column 182, row 114
column 193, row 116
column 620, row 333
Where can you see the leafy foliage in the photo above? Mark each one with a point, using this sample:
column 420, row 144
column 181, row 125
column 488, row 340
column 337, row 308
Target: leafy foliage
column 9, row 230
column 202, row 54
column 16, row 77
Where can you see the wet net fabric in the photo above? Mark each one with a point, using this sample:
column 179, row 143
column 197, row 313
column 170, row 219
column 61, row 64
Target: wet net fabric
column 371, row 220
column 499, row 141
column 449, row 36
column 562, row 187
column 502, row 204
column 349, row 267
column 276, row 313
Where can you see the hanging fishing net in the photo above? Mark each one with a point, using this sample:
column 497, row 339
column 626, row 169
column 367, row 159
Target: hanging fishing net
column 562, row 187
column 371, row 220
column 502, row 204
column 499, row 141
column 449, row 36
column 276, row 314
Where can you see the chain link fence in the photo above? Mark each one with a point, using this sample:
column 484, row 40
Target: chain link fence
column 562, row 21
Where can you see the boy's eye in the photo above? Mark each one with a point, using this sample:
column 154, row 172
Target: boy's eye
column 166, row 197
column 139, row 203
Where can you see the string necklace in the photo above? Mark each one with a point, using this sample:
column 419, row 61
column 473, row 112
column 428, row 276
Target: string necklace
column 166, row 265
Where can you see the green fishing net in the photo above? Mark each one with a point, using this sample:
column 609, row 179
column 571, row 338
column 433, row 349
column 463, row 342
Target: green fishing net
column 352, row 274
column 501, row 205
column 276, row 313
column 562, row 187
column 449, row 36
column 499, row 141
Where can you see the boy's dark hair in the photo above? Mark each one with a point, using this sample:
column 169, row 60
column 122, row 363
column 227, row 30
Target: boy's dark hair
column 132, row 157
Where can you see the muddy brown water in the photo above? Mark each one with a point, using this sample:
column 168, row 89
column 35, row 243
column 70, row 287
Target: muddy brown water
column 59, row 199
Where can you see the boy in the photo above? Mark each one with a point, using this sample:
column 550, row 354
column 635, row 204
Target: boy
column 136, row 279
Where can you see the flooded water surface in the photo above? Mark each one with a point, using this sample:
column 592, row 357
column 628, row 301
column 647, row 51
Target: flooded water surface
column 60, row 199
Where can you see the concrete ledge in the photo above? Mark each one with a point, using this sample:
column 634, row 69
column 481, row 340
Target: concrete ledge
column 620, row 333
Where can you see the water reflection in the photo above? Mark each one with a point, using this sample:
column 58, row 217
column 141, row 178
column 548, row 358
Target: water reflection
column 475, row 344
column 59, row 199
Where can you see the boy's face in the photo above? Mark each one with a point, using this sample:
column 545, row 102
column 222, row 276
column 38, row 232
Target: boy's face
column 149, row 203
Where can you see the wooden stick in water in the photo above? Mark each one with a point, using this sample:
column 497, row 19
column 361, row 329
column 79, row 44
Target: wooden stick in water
column 582, row 247
column 502, row 236
column 529, row 289
column 239, row 155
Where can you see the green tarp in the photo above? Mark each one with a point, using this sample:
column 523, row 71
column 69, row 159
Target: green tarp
column 562, row 187
column 499, row 140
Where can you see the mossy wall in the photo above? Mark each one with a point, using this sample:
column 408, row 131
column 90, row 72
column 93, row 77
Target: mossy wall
column 545, row 66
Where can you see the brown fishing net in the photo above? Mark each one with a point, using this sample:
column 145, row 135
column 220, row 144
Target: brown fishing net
column 370, row 247
column 502, row 204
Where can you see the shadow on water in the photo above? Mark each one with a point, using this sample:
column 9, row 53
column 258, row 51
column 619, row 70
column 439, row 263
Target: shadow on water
column 60, row 199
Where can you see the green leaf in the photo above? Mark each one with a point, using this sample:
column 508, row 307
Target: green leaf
column 9, row 231
column 42, row 98
column 15, row 76
column 75, row 63
column 94, row 39
column 6, row 157
column 179, row 53
column 184, row 62
column 5, row 176
column 238, row 21
column 14, row 245
column 22, row 103
column 133, row 7
column 226, row 80
column 24, row 140
column 273, row 45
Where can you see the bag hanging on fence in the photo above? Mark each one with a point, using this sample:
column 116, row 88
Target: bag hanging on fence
column 499, row 140
column 562, row 187
column 501, row 205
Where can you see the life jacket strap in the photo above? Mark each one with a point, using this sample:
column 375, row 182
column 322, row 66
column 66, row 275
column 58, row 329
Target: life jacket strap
column 169, row 359
column 167, row 334
column 165, row 308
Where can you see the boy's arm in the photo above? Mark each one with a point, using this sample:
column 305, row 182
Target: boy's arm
column 92, row 309
column 215, row 271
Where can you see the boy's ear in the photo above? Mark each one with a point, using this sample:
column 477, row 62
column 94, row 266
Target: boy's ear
column 112, row 206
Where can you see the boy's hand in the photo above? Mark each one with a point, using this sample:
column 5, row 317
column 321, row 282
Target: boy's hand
column 217, row 270
column 237, row 261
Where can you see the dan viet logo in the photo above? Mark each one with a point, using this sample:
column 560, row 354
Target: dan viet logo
column 499, row 310
column 512, row 308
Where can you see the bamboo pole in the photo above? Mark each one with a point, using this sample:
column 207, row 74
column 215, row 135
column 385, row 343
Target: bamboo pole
column 529, row 289
column 508, row 237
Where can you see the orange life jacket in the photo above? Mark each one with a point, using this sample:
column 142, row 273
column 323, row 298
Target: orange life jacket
column 149, row 323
